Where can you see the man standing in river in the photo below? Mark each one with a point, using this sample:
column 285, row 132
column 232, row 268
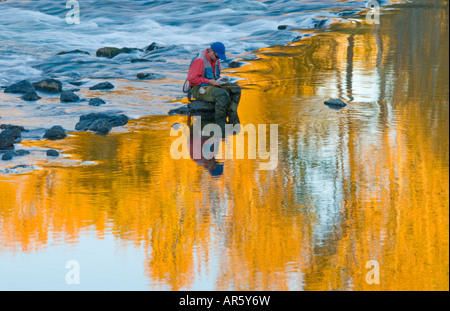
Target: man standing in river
column 204, row 72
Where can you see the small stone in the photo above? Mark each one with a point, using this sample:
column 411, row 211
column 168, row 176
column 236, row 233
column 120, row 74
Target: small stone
column 31, row 96
column 55, row 133
column 52, row 153
column 69, row 96
column 96, row 102
column 102, row 86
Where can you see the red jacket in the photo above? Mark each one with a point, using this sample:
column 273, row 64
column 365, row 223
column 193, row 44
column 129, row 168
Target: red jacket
column 195, row 74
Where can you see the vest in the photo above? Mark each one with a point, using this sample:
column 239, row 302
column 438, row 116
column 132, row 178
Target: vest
column 208, row 72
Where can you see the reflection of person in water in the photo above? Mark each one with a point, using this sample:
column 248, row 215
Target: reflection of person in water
column 210, row 144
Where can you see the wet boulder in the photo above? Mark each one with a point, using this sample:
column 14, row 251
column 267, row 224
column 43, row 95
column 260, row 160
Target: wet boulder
column 48, row 85
column 69, row 96
column 102, row 86
column 55, row 133
column 22, row 87
column 31, row 96
column 111, row 52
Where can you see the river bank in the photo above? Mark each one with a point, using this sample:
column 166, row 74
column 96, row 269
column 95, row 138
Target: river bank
column 367, row 182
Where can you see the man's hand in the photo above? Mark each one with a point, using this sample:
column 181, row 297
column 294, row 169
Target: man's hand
column 213, row 82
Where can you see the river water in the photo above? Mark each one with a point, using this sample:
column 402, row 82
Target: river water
column 364, row 184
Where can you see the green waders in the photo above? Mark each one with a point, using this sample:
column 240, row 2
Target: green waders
column 226, row 97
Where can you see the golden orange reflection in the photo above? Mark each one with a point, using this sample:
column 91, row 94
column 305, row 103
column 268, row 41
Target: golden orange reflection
column 369, row 182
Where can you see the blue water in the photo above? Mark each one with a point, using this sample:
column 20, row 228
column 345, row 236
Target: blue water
column 33, row 32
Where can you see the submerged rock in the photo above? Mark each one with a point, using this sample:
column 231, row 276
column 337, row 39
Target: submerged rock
column 10, row 154
column 145, row 75
column 335, row 103
column 74, row 52
column 48, row 85
column 21, row 87
column 55, row 133
column 140, row 60
column 31, row 96
column 96, row 102
column 52, row 153
column 102, row 86
column 69, row 96
column 111, row 52
column 100, row 123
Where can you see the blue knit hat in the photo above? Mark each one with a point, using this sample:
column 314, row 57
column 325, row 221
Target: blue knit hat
column 219, row 48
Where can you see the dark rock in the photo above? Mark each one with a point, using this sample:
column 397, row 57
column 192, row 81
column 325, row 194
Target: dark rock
column 181, row 110
column 110, row 52
column 77, row 83
column 31, row 96
column 140, row 60
column 234, row 64
column 296, row 39
column 96, row 102
column 55, row 133
column 48, row 85
column 282, row 27
column 52, row 153
column 69, row 96
column 74, row 52
column 152, row 47
column 8, row 155
column 147, row 75
column 21, row 153
column 102, row 86
column 14, row 133
column 89, row 122
column 21, row 87
column 6, row 141
column 12, row 127
column 201, row 106
column 335, row 103
column 100, row 126
column 83, row 125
